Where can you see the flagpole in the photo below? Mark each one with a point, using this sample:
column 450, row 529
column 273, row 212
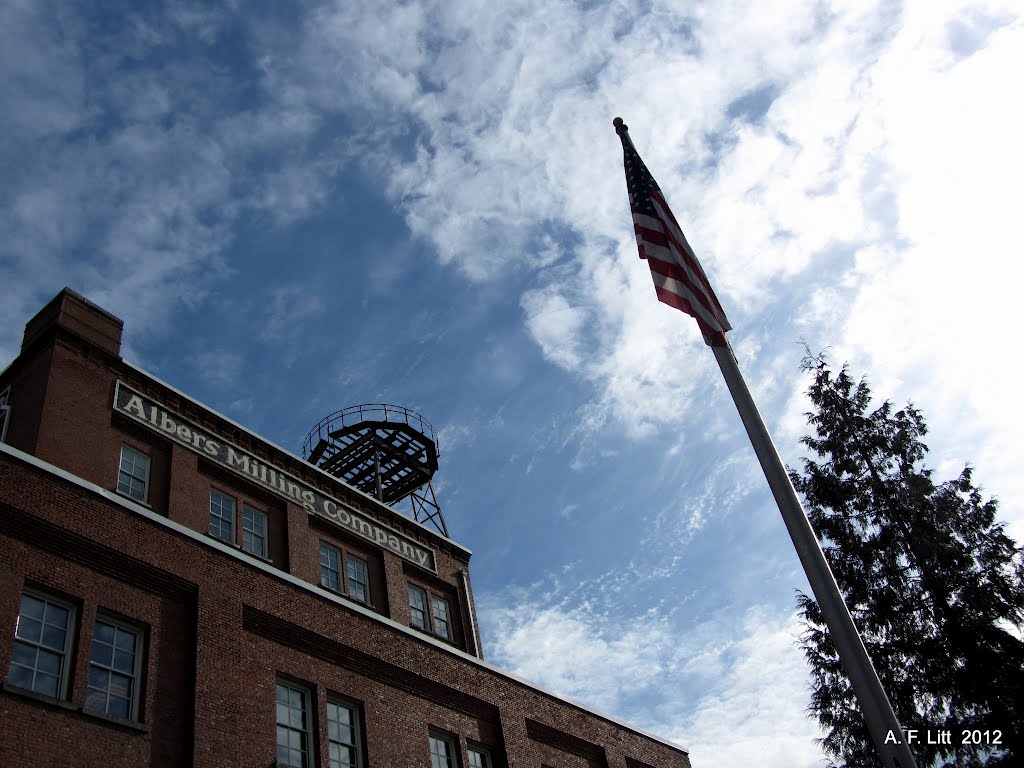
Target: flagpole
column 881, row 720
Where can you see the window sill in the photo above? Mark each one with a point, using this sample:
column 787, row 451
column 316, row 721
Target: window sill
column 430, row 633
column 67, row 706
column 371, row 606
column 261, row 558
column 232, row 544
column 42, row 698
column 132, row 499
column 133, row 725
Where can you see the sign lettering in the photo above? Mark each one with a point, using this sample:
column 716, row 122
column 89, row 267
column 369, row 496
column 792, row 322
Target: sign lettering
column 180, row 430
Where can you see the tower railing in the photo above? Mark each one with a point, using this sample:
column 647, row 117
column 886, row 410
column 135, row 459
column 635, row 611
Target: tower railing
column 354, row 414
column 387, row 451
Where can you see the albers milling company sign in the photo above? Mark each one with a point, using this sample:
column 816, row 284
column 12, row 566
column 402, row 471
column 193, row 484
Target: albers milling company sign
column 180, row 430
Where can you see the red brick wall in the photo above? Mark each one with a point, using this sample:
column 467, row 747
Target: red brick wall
column 252, row 629
column 222, row 627
column 80, row 432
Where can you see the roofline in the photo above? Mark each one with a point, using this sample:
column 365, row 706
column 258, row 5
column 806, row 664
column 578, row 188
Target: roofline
column 252, row 561
column 275, row 446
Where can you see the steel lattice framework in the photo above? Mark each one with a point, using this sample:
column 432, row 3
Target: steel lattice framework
column 386, row 451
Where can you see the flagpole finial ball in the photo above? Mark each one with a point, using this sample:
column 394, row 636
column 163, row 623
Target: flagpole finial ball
column 618, row 123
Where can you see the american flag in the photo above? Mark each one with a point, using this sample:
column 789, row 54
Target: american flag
column 678, row 278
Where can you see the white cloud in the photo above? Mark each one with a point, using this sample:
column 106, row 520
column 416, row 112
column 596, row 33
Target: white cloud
column 555, row 325
column 755, row 714
column 732, row 689
column 935, row 319
column 569, row 653
column 221, row 368
column 289, row 307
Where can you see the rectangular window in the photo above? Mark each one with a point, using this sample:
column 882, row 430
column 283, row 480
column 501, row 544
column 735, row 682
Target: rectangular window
column 222, row 516
column 254, row 531
column 442, row 752
column 418, row 607
column 479, row 758
column 42, row 646
column 292, row 726
column 133, row 475
column 5, row 413
column 358, row 581
column 114, row 667
column 330, row 567
column 442, row 624
column 342, row 735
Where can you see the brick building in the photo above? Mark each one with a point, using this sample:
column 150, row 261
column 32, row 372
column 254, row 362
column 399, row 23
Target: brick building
column 178, row 591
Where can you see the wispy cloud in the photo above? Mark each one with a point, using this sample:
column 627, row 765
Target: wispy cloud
column 731, row 689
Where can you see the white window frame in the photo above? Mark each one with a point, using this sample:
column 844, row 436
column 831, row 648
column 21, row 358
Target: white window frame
column 422, row 608
column 330, row 549
column 343, row 572
column 258, row 514
column 479, row 757
column 349, row 559
column 450, row 744
column 355, row 746
column 5, row 413
column 135, row 678
column 144, row 479
column 64, row 654
column 305, row 731
column 231, row 519
column 435, row 601
column 428, row 607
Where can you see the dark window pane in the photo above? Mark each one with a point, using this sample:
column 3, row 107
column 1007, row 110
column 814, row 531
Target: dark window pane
column 125, row 640
column 118, row 706
column 49, row 663
column 24, row 654
column 102, row 654
column 104, row 633
column 54, row 637
column 96, row 700
column 99, row 678
column 29, row 629
column 120, row 686
column 46, row 684
column 56, row 615
column 20, row 676
column 32, row 607
column 124, row 662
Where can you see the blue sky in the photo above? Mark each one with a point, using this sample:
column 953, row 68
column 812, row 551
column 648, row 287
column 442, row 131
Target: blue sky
column 424, row 204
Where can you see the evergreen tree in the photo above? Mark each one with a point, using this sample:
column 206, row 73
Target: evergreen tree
column 932, row 581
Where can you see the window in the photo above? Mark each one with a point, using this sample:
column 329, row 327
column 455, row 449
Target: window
column 292, row 726
column 438, row 620
column 479, row 758
column 133, row 475
column 222, row 516
column 418, row 607
column 252, row 527
column 330, row 567
column 342, row 734
column 114, row 666
column 358, row 584
column 5, row 413
column 42, row 646
column 442, row 625
column 254, row 531
column 442, row 751
column 356, row 581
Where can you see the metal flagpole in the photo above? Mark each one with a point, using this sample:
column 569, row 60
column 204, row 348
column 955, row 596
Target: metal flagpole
column 881, row 721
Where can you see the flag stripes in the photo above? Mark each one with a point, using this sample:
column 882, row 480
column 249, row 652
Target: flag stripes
column 679, row 280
